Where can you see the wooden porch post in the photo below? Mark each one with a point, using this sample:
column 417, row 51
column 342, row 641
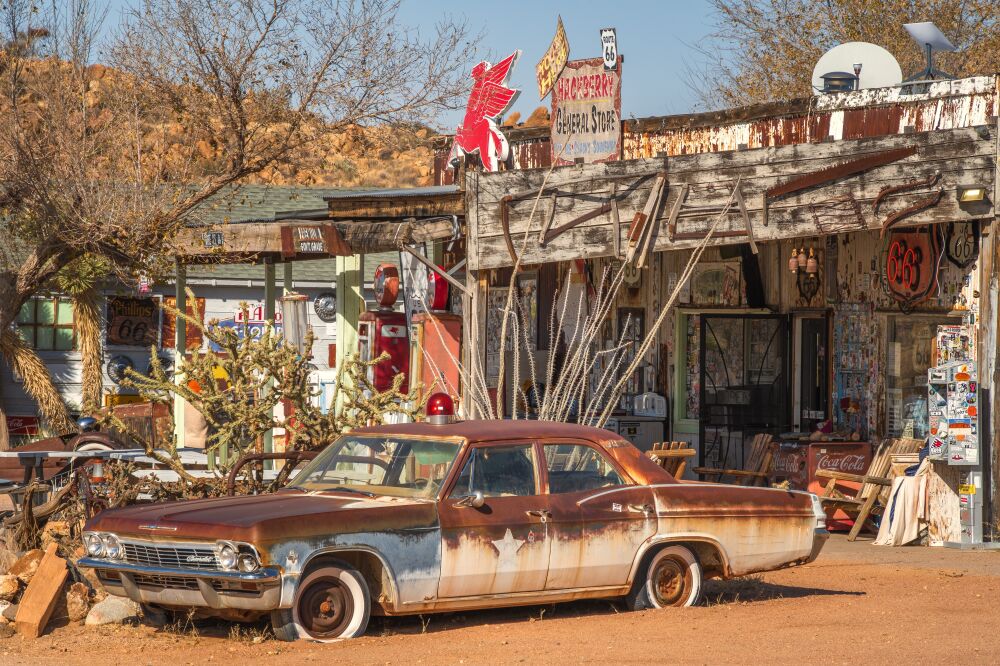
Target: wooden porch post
column 180, row 346
column 350, row 300
column 270, row 289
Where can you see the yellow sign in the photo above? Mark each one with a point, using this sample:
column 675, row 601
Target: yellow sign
column 115, row 399
column 967, row 489
column 548, row 68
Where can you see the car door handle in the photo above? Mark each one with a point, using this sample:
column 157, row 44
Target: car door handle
column 645, row 509
column 543, row 514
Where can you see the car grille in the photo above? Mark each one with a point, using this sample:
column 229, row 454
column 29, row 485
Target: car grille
column 172, row 582
column 174, row 557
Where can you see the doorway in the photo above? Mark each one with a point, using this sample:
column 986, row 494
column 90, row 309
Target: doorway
column 744, row 383
column 811, row 404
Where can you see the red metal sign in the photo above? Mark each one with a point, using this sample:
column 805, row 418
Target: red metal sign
column 489, row 100
column 586, row 113
column 22, row 425
column 911, row 263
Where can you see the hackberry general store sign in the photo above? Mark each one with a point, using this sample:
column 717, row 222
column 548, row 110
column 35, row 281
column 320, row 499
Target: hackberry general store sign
column 586, row 113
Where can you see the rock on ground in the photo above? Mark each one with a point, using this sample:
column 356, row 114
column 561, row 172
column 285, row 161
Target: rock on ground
column 54, row 530
column 3, row 606
column 9, row 587
column 7, row 631
column 77, row 602
column 113, row 610
column 9, row 613
column 26, row 567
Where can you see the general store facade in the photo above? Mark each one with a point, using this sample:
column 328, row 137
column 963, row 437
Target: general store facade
column 857, row 226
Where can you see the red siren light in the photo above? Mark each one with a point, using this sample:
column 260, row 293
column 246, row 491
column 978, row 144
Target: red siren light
column 440, row 409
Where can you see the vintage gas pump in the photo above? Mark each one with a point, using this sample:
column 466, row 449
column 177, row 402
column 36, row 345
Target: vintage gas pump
column 436, row 338
column 384, row 330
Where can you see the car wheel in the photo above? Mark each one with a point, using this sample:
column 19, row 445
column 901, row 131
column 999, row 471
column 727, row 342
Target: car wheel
column 332, row 603
column 673, row 578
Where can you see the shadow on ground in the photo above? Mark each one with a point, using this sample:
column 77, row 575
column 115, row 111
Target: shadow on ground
column 748, row 589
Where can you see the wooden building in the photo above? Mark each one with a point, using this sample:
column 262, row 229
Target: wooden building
column 848, row 228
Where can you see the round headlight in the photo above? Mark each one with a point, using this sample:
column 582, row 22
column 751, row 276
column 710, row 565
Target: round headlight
column 227, row 557
column 112, row 546
column 95, row 547
column 248, row 563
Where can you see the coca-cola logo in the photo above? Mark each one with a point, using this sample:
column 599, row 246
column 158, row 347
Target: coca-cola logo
column 849, row 463
column 787, row 464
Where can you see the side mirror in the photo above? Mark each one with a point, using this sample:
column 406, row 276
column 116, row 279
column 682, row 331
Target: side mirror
column 475, row 500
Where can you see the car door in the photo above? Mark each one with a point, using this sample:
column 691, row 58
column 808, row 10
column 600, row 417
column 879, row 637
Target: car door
column 599, row 518
column 501, row 546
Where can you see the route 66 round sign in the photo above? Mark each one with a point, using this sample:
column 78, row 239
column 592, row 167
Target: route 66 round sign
column 962, row 244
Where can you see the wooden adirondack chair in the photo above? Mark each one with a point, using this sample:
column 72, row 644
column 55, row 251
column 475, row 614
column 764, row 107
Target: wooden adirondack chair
column 876, row 484
column 672, row 456
column 758, row 465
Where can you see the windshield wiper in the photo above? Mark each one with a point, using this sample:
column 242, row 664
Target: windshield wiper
column 353, row 490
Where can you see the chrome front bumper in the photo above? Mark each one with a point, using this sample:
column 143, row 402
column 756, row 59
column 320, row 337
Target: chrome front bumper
column 819, row 539
column 162, row 586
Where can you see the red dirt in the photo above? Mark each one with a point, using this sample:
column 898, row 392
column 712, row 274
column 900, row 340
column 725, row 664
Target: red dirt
column 857, row 603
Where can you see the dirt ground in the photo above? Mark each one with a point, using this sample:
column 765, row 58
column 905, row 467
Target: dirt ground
column 857, row 602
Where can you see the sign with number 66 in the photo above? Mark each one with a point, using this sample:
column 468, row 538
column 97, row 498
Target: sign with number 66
column 609, row 48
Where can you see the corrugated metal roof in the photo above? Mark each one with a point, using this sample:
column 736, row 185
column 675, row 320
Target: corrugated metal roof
column 395, row 193
column 260, row 203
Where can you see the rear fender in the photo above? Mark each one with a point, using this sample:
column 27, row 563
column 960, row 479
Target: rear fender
column 706, row 548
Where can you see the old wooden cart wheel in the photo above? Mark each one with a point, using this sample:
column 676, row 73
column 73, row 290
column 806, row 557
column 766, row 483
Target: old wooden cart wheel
column 332, row 603
column 673, row 578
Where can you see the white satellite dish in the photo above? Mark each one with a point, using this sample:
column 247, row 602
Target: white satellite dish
column 878, row 69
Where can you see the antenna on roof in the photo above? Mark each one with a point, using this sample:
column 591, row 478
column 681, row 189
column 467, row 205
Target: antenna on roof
column 930, row 37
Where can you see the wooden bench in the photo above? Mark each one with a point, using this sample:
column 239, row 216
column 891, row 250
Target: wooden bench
column 672, row 456
column 758, row 465
column 871, row 498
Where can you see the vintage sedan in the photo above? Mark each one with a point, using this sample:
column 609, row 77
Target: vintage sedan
column 428, row 517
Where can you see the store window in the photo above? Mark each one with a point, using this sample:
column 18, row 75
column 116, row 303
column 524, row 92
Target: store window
column 46, row 324
column 909, row 353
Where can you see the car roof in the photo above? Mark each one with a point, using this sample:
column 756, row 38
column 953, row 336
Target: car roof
column 492, row 430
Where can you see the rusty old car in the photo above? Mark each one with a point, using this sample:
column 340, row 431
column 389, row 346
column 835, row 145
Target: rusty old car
column 428, row 517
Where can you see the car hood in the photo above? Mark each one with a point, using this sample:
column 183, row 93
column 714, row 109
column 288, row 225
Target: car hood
column 261, row 519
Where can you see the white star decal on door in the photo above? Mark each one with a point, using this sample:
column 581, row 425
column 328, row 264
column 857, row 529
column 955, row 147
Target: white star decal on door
column 507, row 548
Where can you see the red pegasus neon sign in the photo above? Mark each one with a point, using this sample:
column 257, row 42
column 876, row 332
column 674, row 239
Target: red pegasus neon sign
column 490, row 98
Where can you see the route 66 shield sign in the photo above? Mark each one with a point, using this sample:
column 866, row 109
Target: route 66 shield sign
column 609, row 48
column 962, row 244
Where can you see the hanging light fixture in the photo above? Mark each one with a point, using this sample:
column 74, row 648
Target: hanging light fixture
column 812, row 265
column 802, row 257
column 793, row 261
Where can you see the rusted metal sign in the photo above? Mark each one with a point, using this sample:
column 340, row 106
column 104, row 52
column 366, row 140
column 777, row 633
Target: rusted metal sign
column 910, row 265
column 586, row 113
column 548, row 68
column 132, row 321
column 489, row 100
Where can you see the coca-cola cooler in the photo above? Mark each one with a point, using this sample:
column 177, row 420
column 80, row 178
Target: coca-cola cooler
column 385, row 330
column 798, row 461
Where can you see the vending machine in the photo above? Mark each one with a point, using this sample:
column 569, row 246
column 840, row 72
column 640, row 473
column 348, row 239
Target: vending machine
column 384, row 330
column 953, row 419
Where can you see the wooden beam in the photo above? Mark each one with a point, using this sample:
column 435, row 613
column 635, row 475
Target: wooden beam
column 42, row 595
column 368, row 207
column 254, row 240
column 961, row 155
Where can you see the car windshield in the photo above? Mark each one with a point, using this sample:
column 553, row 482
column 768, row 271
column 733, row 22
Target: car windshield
column 380, row 465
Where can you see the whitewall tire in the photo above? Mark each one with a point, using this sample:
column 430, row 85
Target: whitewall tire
column 332, row 603
column 673, row 578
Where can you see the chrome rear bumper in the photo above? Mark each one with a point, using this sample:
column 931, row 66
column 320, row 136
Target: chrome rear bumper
column 162, row 586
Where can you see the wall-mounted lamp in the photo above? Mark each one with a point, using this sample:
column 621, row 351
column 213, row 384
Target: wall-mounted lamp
column 806, row 269
column 971, row 193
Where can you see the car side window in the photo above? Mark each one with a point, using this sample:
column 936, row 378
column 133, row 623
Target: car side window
column 498, row 471
column 575, row 468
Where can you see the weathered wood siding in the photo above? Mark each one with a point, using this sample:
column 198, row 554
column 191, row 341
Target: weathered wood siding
column 961, row 156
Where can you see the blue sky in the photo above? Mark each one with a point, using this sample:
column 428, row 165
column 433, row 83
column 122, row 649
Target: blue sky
column 656, row 38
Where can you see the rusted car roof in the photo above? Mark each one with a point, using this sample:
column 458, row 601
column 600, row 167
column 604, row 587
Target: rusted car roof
column 492, row 430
